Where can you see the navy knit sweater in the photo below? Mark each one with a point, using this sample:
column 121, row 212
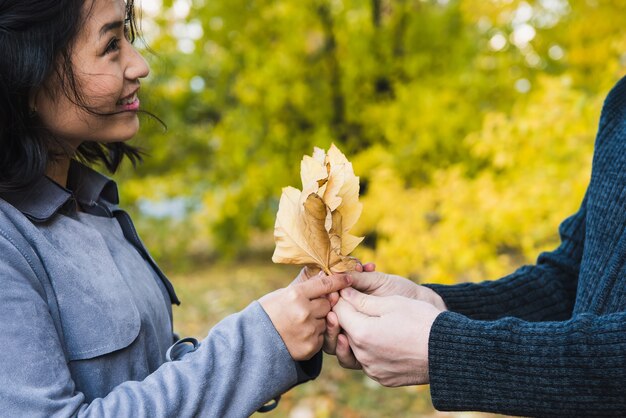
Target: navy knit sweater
column 550, row 339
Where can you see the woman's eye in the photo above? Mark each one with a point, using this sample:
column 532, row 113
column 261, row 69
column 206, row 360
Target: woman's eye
column 113, row 46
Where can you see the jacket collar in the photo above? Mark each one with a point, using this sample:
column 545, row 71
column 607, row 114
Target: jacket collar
column 45, row 198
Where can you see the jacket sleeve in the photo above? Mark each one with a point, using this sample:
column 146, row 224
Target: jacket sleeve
column 573, row 368
column 545, row 291
column 242, row 363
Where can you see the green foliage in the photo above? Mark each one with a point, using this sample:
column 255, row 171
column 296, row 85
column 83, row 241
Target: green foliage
column 479, row 220
column 470, row 122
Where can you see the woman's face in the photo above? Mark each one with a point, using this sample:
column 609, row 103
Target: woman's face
column 107, row 68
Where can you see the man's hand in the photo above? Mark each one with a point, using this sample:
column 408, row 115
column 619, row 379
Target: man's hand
column 332, row 323
column 382, row 284
column 299, row 312
column 388, row 336
column 376, row 284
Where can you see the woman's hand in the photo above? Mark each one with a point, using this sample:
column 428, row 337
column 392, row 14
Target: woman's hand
column 332, row 322
column 299, row 312
column 333, row 330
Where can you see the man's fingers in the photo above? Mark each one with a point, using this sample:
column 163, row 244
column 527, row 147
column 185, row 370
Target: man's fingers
column 332, row 332
column 366, row 304
column 367, row 281
column 319, row 286
column 369, row 267
column 345, row 356
column 349, row 318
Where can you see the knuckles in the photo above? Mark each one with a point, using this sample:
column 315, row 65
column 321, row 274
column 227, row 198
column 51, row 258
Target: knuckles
column 310, row 347
column 327, row 284
column 380, row 376
column 301, row 315
column 293, row 293
column 359, row 335
column 361, row 302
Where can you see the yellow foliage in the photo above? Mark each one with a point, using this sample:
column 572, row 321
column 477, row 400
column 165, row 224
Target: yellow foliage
column 465, row 226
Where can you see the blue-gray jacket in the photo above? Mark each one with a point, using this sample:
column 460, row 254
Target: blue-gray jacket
column 85, row 320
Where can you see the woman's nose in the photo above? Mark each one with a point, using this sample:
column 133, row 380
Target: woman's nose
column 137, row 66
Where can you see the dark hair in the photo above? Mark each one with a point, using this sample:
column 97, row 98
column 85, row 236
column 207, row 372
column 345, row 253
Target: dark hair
column 35, row 43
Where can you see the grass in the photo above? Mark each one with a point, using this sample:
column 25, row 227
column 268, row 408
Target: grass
column 211, row 293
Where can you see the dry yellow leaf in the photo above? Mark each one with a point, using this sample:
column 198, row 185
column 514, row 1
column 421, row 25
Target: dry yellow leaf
column 312, row 226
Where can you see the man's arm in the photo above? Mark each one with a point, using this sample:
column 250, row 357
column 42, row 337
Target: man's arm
column 574, row 368
column 542, row 292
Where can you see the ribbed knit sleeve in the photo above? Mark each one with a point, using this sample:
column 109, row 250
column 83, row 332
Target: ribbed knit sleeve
column 542, row 292
column 574, row 368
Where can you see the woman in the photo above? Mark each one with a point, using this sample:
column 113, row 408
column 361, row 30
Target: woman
column 85, row 313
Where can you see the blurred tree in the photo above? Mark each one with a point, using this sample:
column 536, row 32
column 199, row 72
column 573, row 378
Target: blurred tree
column 470, row 122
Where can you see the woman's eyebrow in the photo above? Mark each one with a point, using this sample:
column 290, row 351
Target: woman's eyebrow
column 111, row 26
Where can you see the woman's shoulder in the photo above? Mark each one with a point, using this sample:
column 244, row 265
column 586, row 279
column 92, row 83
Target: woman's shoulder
column 11, row 219
column 16, row 238
column 13, row 223
column 20, row 266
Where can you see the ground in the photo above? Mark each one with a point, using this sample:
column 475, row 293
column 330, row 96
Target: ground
column 213, row 292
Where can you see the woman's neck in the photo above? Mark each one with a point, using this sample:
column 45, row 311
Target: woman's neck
column 57, row 171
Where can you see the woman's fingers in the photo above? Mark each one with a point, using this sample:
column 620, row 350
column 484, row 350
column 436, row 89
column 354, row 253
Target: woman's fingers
column 320, row 307
column 333, row 298
column 322, row 286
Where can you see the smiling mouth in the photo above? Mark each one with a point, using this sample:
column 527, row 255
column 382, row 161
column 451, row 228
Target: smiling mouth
column 128, row 100
column 130, row 103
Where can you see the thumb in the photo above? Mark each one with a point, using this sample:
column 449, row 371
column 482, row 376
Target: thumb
column 366, row 304
column 348, row 317
column 367, row 281
column 321, row 286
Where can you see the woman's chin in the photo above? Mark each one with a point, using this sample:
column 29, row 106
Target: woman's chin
column 128, row 130
column 129, row 136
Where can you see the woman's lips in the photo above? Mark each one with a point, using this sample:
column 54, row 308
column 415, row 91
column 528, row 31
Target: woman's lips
column 130, row 103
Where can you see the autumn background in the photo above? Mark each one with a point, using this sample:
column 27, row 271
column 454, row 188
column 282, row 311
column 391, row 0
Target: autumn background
column 470, row 123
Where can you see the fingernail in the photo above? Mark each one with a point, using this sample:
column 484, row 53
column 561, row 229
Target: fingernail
column 348, row 279
column 348, row 291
